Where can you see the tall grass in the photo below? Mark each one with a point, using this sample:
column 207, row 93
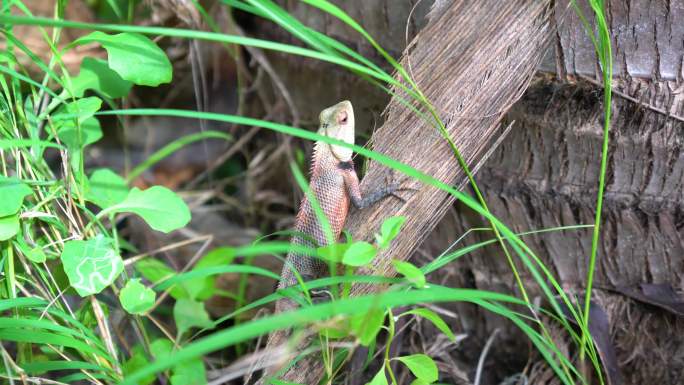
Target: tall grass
column 36, row 299
column 604, row 51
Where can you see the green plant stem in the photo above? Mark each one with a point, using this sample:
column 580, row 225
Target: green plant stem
column 388, row 344
column 604, row 51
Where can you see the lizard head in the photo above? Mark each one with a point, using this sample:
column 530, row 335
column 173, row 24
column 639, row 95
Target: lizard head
column 338, row 122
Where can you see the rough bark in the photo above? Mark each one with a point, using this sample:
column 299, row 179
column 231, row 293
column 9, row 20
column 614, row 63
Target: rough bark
column 546, row 175
column 485, row 56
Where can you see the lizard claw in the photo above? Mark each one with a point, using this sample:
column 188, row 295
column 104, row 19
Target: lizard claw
column 396, row 186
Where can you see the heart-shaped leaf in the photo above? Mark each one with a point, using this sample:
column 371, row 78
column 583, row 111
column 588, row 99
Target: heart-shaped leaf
column 91, row 265
column 133, row 56
column 135, row 298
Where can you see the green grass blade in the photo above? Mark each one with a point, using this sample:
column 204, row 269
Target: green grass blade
column 214, row 270
column 300, row 317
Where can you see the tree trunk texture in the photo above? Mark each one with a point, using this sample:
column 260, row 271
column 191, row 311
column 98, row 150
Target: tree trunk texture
column 545, row 174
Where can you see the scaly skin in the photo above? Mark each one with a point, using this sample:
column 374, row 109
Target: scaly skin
column 335, row 185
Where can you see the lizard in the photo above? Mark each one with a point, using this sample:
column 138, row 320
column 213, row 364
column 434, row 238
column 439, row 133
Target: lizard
column 335, row 185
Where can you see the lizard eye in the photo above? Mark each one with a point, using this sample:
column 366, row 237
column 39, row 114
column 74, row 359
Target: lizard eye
column 342, row 117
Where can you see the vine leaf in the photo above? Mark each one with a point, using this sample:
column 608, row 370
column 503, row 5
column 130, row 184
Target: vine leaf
column 134, row 57
column 91, row 265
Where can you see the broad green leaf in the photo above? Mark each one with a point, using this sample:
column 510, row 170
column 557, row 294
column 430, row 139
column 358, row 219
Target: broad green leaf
column 190, row 372
column 95, row 74
column 161, row 348
column 333, row 252
column 106, row 188
column 367, row 326
column 78, row 110
column 205, row 287
column 389, row 230
column 91, row 265
column 136, row 298
column 160, row 207
column 359, row 254
column 380, row 378
column 412, row 273
column 422, row 366
column 188, row 314
column 138, row 361
column 133, row 56
column 74, row 137
column 9, row 226
column 12, row 194
column 434, row 318
column 36, row 255
column 157, row 271
column 75, row 124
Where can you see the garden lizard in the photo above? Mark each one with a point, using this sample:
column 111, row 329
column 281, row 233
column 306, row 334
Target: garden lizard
column 335, row 185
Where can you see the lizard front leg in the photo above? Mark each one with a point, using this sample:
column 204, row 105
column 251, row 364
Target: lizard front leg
column 351, row 182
